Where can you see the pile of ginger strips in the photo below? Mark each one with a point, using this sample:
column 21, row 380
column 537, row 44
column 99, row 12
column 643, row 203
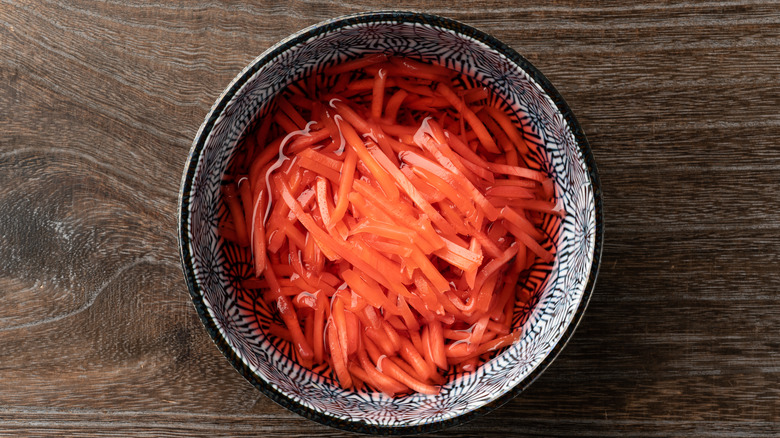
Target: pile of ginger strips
column 390, row 212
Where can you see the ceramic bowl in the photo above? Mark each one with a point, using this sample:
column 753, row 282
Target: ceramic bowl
column 560, row 290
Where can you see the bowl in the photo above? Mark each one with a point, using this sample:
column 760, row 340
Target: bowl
column 559, row 290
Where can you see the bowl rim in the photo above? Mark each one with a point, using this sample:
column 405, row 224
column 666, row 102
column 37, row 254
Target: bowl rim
column 243, row 77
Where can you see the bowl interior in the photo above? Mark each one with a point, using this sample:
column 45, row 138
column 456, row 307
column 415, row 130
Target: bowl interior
column 238, row 321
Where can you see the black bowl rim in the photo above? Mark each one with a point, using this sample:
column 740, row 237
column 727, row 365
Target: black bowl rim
column 241, row 80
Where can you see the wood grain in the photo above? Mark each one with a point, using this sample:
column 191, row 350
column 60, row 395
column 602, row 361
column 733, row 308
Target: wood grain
column 100, row 102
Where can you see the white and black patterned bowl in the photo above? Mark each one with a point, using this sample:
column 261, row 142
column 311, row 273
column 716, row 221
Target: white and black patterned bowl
column 560, row 290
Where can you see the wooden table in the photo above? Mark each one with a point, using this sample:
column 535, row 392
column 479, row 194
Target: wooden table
column 99, row 102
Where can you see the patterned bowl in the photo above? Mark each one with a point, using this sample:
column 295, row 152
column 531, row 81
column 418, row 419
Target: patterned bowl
column 560, row 290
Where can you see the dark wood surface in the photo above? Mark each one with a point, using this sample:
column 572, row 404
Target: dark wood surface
column 99, row 102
